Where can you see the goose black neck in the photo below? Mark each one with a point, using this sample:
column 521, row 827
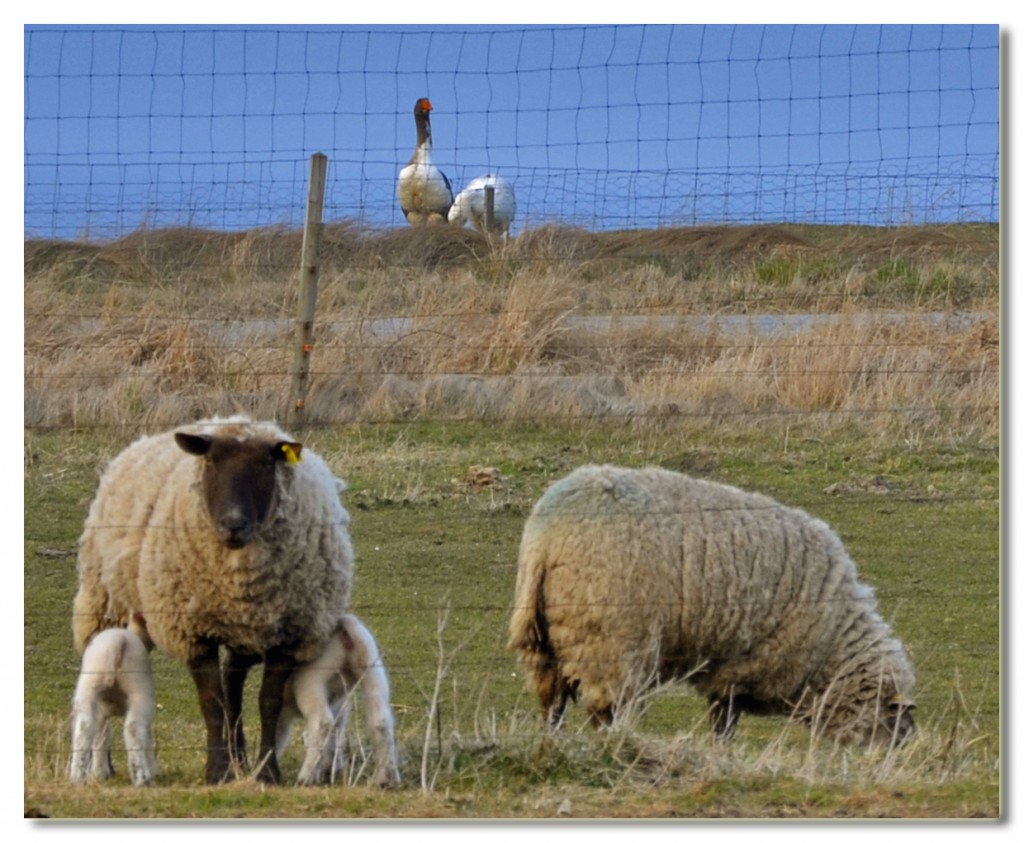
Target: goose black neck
column 422, row 129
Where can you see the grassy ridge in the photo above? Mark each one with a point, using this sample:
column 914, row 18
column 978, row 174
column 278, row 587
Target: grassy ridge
column 169, row 325
column 890, row 434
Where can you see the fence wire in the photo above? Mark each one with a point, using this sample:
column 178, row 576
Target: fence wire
column 616, row 126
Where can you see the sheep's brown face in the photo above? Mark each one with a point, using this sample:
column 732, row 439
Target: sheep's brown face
column 900, row 722
column 895, row 724
column 238, row 482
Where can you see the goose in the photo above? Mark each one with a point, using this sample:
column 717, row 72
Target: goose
column 424, row 192
column 471, row 203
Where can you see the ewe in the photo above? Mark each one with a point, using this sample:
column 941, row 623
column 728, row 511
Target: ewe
column 628, row 577
column 221, row 533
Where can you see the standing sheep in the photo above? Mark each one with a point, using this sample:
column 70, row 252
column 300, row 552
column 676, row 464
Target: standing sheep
column 319, row 692
column 115, row 680
column 222, row 533
column 629, row 577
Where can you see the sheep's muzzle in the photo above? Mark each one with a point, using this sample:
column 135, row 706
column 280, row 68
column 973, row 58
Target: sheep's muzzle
column 239, row 482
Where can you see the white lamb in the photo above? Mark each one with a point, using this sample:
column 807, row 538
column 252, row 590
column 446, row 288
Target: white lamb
column 319, row 692
column 115, row 680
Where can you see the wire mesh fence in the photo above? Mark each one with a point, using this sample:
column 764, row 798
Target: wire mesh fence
column 601, row 126
column 165, row 171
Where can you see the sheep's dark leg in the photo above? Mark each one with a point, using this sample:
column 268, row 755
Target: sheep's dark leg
column 205, row 669
column 554, row 710
column 278, row 666
column 724, row 714
column 236, row 669
column 601, row 717
column 554, row 693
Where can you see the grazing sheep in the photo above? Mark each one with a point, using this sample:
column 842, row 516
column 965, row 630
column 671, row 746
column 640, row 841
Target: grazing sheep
column 221, row 533
column 115, row 680
column 471, row 205
column 629, row 577
column 319, row 692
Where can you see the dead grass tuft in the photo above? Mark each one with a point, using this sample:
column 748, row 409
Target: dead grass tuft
column 417, row 322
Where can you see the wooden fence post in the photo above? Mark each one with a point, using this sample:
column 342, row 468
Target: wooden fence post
column 489, row 209
column 309, row 276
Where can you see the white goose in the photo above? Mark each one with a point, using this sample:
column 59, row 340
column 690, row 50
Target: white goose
column 471, row 205
column 424, row 192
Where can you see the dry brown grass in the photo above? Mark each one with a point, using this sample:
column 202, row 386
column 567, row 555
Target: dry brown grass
column 162, row 326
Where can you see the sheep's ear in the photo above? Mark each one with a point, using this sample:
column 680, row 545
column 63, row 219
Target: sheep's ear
column 196, row 444
column 290, row 451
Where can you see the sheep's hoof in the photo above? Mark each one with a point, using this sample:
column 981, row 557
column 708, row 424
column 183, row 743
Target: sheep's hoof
column 218, row 770
column 269, row 772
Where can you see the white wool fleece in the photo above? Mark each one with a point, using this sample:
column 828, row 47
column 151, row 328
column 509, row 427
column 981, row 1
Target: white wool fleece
column 148, row 545
column 625, row 573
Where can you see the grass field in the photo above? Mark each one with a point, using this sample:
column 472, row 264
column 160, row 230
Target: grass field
column 890, row 432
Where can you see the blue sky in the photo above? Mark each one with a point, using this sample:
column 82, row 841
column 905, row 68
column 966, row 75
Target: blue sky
column 603, row 126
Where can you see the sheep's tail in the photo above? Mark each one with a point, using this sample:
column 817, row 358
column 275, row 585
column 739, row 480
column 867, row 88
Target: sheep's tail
column 529, row 637
column 91, row 610
column 527, row 626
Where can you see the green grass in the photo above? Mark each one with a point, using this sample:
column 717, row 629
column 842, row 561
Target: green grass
column 435, row 570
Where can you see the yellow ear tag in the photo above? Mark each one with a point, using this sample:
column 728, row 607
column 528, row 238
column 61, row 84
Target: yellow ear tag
column 289, row 453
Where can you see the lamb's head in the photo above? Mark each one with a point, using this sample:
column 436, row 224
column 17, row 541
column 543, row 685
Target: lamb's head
column 239, row 480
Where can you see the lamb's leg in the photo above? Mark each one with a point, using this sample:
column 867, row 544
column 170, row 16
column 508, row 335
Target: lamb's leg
column 102, row 763
column 205, row 669
column 376, row 700
column 334, row 744
column 138, row 742
column 277, row 667
column 319, row 745
column 310, row 692
column 285, row 722
column 83, row 736
column 235, row 671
